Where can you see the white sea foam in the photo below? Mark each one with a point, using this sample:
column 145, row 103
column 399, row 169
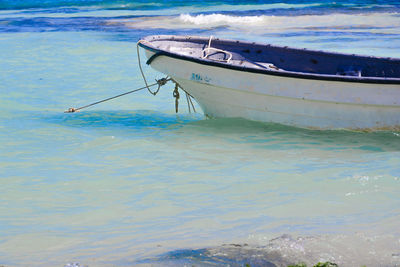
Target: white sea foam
column 220, row 19
column 316, row 22
column 369, row 34
column 379, row 23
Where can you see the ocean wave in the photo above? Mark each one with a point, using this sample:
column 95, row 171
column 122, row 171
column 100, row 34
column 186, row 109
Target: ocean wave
column 220, row 19
column 269, row 22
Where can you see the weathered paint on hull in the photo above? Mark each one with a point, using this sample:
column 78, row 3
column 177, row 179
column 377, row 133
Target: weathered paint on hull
column 298, row 102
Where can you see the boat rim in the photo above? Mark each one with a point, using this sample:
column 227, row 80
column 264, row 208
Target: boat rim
column 145, row 41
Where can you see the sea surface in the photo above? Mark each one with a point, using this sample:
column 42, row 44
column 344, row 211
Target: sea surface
column 130, row 183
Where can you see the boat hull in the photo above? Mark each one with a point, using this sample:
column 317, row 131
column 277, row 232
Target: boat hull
column 310, row 103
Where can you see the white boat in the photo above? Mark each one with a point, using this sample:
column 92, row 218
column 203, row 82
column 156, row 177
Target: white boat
column 298, row 87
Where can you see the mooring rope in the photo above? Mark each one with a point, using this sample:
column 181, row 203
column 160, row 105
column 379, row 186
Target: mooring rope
column 141, row 70
column 159, row 82
column 187, row 100
column 177, row 85
column 190, row 99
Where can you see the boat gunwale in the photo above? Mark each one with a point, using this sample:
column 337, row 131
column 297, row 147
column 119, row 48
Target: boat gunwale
column 282, row 73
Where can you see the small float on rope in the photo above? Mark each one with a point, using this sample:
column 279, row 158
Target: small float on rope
column 298, row 87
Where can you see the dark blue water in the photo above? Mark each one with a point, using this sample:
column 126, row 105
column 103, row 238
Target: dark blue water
column 124, row 4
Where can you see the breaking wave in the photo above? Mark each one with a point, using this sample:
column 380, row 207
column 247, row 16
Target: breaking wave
column 220, row 19
column 369, row 21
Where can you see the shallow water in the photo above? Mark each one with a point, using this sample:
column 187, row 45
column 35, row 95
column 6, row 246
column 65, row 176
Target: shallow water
column 129, row 182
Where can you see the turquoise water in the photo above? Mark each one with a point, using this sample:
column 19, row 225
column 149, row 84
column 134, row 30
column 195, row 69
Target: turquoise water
column 129, row 182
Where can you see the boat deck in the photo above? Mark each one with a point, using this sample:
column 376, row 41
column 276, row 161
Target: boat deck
column 280, row 59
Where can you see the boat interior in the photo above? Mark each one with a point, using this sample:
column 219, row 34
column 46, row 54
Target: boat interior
column 277, row 58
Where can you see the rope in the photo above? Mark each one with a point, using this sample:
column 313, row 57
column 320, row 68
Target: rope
column 206, row 52
column 159, row 82
column 176, row 95
column 141, row 70
column 190, row 99
column 189, row 95
column 187, row 100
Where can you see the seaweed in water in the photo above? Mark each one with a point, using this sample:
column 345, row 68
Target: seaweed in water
column 319, row 264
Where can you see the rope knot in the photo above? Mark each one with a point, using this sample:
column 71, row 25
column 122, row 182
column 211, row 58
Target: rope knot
column 162, row 81
column 72, row 110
